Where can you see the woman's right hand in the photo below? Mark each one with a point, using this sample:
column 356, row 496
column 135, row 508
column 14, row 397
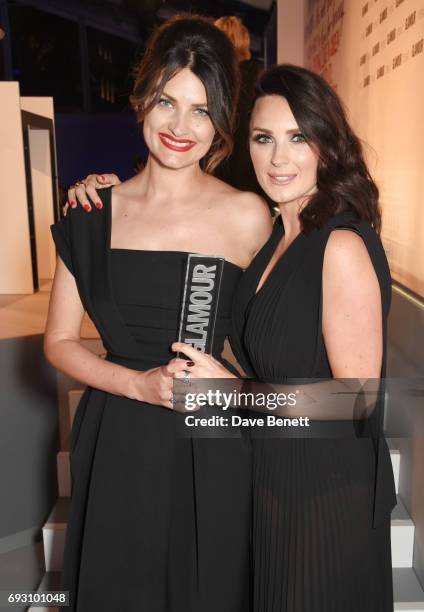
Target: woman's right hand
column 155, row 386
column 78, row 192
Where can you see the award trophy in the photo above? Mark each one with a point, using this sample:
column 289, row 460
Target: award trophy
column 197, row 326
column 200, row 301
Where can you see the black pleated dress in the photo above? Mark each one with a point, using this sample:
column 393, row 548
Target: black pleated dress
column 158, row 522
column 321, row 507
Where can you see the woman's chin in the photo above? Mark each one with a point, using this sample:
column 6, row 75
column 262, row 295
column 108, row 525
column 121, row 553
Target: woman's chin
column 175, row 161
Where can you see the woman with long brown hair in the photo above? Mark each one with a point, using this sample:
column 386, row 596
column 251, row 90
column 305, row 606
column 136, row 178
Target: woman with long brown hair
column 313, row 304
column 149, row 526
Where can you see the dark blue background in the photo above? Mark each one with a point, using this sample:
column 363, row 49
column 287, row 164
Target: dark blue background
column 96, row 143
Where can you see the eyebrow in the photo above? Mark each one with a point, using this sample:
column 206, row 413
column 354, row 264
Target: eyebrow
column 259, row 129
column 205, row 104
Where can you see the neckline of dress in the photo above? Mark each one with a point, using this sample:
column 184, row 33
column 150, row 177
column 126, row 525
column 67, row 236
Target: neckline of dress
column 166, row 252
column 278, row 233
column 112, row 249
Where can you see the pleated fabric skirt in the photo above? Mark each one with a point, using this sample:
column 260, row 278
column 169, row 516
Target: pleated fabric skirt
column 314, row 547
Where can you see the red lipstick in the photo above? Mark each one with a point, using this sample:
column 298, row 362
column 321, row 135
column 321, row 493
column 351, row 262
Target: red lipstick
column 176, row 144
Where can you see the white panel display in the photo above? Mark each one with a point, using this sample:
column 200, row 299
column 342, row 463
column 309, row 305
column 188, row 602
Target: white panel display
column 15, row 253
column 42, row 195
column 372, row 52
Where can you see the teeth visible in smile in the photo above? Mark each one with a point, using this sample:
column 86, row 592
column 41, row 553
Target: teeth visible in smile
column 176, row 144
column 283, row 178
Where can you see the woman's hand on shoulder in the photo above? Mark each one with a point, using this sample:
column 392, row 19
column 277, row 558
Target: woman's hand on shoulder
column 87, row 188
column 352, row 311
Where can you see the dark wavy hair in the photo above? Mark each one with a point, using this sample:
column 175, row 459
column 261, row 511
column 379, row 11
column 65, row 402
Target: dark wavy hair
column 192, row 41
column 343, row 179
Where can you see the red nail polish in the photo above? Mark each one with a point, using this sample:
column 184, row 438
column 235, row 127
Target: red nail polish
column 98, row 205
column 87, row 207
column 190, row 364
column 72, row 203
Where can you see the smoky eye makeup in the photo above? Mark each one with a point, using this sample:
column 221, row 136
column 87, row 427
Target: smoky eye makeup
column 298, row 137
column 261, row 137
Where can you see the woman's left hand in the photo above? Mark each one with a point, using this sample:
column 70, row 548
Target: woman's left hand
column 204, row 365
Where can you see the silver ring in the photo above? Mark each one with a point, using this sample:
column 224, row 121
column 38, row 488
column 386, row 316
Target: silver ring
column 79, row 183
column 186, row 377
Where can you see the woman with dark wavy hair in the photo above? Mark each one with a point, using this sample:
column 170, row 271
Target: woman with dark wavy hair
column 149, row 527
column 314, row 304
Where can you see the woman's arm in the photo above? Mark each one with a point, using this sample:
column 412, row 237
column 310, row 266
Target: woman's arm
column 63, row 349
column 352, row 322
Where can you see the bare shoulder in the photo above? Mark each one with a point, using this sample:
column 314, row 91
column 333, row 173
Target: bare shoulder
column 346, row 257
column 251, row 205
column 255, row 219
column 346, row 250
column 127, row 188
column 125, row 195
column 247, row 209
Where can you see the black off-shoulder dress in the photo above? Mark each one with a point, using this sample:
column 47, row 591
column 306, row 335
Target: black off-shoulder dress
column 321, row 507
column 158, row 522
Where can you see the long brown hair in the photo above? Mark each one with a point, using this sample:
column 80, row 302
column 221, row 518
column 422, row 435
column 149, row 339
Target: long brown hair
column 343, row 179
column 192, row 41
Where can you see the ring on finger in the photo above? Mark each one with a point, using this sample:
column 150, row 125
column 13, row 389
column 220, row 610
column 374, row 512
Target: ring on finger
column 78, row 183
column 186, row 377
